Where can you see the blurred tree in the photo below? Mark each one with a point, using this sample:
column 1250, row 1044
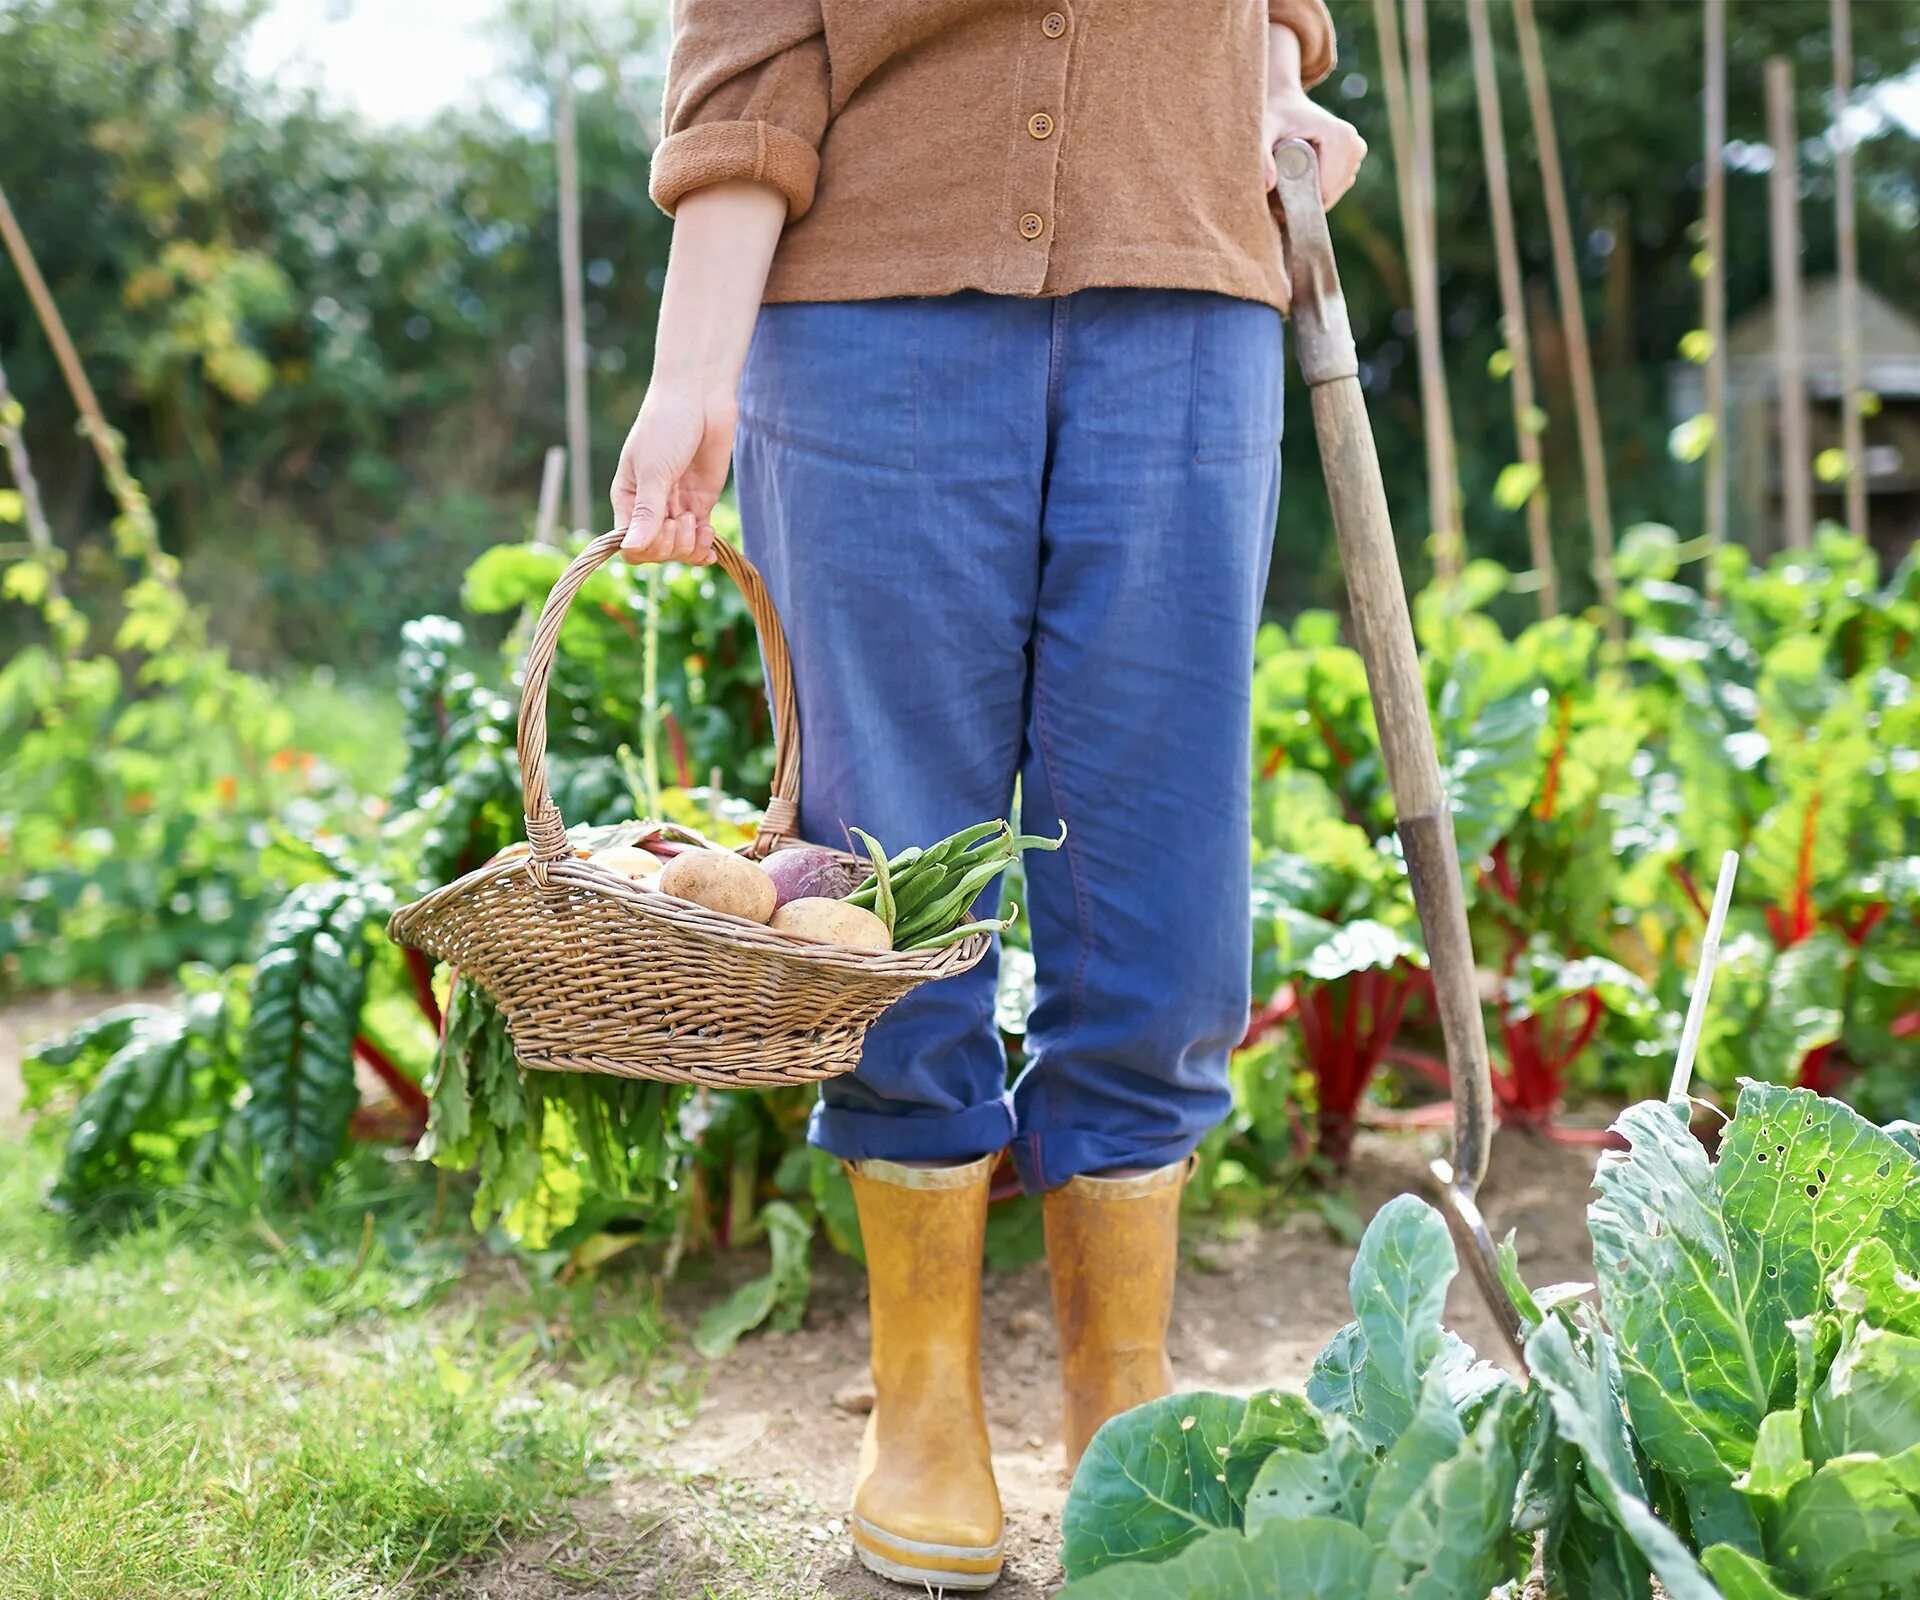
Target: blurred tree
column 335, row 347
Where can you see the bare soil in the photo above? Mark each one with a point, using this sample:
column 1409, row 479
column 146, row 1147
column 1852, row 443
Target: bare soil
column 26, row 1023
column 747, row 1500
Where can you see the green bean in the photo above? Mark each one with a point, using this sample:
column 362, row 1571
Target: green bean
column 882, row 874
column 939, row 941
column 955, row 899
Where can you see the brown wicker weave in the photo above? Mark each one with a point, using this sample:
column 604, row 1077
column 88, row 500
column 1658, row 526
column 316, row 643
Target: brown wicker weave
column 597, row 974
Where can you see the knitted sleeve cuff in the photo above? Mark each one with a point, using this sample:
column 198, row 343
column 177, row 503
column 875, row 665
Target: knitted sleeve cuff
column 1313, row 26
column 714, row 152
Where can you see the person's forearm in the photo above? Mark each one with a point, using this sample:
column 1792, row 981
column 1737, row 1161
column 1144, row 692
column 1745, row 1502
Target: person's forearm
column 1283, row 58
column 723, row 243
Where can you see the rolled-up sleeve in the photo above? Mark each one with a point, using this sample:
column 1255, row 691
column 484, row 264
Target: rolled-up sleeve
column 1313, row 25
column 747, row 97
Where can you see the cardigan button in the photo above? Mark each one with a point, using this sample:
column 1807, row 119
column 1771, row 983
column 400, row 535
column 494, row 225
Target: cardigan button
column 1031, row 227
column 1040, row 125
column 1053, row 24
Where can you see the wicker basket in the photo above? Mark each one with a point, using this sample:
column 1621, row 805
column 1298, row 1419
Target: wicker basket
column 598, row 974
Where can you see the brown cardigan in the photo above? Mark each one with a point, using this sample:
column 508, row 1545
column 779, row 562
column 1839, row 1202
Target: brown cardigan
column 1028, row 147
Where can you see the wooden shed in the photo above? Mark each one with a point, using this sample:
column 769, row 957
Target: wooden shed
column 1889, row 369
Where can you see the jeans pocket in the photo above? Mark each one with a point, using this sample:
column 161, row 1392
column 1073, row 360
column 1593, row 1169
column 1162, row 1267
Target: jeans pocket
column 1237, row 380
column 839, row 378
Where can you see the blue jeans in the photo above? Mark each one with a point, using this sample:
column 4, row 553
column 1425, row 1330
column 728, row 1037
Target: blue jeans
column 1028, row 539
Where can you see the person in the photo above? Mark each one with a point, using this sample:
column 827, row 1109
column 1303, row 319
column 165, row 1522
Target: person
column 981, row 300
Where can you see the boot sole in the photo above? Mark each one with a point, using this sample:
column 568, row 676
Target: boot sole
column 940, row 1566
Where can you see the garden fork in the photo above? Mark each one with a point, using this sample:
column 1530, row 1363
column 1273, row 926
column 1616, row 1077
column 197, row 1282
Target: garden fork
column 1324, row 339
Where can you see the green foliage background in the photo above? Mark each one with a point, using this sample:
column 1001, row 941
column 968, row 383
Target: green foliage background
column 334, row 347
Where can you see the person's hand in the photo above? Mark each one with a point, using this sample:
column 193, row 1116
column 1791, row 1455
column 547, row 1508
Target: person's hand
column 672, row 469
column 1291, row 115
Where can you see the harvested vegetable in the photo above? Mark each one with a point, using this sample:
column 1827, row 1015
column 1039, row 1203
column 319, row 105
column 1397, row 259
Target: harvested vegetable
column 833, row 922
column 628, row 861
column 721, row 881
column 926, row 897
column 806, row 872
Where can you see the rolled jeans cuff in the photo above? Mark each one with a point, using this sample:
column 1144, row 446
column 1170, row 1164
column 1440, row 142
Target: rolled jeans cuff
column 980, row 1130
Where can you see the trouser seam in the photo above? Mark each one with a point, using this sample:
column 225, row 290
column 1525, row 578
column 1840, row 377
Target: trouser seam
column 1077, row 988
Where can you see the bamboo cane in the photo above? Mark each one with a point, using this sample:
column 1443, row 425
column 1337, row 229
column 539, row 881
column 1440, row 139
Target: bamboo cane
column 1852, row 426
column 1573, row 316
column 1714, row 294
column 1796, row 470
column 136, row 534
column 1323, row 341
column 546, row 520
column 1443, row 485
column 33, row 511
column 573, row 320
column 1506, row 248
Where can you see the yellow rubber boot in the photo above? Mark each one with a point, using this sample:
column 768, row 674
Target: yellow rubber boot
column 1112, row 1248
column 926, row 1511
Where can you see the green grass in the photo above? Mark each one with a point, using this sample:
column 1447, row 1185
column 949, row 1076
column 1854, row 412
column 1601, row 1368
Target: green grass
column 196, row 1408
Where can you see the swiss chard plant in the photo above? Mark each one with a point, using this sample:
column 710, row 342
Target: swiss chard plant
column 1407, row 1468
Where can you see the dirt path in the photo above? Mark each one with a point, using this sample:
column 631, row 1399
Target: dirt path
column 747, row 1501
column 25, row 1023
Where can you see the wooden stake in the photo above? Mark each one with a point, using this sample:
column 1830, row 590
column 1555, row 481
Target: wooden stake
column 546, row 521
column 136, row 535
column 33, row 512
column 1714, row 296
column 54, row 326
column 1443, row 488
column 573, row 318
column 1796, row 471
column 1573, row 317
column 1852, row 427
column 1506, row 246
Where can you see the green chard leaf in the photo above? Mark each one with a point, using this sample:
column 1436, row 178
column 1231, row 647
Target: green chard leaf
column 304, row 1010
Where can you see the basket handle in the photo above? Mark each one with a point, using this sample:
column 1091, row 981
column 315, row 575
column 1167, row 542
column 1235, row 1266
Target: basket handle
column 546, row 832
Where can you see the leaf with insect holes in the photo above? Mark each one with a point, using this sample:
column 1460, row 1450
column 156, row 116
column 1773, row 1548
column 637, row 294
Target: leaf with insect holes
column 1703, row 1267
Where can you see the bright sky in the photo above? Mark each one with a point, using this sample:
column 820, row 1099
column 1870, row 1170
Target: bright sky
column 392, row 60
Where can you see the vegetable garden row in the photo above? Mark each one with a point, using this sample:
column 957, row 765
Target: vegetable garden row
column 1594, row 786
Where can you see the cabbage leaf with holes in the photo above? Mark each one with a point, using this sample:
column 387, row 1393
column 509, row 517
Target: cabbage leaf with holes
column 1748, row 1409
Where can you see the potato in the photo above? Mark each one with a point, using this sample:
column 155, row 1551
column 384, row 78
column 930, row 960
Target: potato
column 720, row 881
column 628, row 861
column 833, row 922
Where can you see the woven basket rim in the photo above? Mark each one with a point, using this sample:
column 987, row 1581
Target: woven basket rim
column 715, row 927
